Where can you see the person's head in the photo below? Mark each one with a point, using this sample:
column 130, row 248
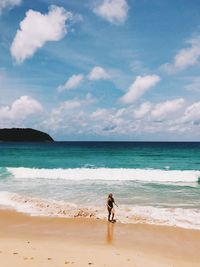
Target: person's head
column 110, row 195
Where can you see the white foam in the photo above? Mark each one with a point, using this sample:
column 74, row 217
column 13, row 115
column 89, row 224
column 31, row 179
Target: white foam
column 185, row 218
column 144, row 175
column 179, row 217
column 41, row 207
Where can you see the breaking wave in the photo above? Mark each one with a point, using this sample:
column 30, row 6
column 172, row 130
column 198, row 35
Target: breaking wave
column 178, row 217
column 143, row 175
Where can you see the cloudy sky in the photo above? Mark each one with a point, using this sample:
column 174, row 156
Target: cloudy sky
column 101, row 69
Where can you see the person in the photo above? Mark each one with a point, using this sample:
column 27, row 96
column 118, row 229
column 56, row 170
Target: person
column 110, row 207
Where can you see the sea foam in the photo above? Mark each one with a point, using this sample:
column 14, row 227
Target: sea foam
column 178, row 217
column 143, row 175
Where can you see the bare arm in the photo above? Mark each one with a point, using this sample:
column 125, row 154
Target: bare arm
column 115, row 203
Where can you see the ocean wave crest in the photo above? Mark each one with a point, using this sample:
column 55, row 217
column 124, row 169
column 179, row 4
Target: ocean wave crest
column 121, row 174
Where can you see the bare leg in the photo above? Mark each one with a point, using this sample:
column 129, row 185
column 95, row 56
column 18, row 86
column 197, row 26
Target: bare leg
column 109, row 213
column 113, row 215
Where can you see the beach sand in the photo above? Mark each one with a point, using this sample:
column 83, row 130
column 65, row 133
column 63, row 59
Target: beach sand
column 45, row 241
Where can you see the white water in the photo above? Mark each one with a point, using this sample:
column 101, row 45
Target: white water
column 178, row 217
column 143, row 175
column 58, row 192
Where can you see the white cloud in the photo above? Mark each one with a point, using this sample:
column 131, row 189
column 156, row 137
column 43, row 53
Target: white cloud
column 66, row 106
column 106, row 121
column 62, row 115
column 20, row 109
column 141, row 85
column 186, row 57
column 158, row 111
column 69, row 115
column 73, row 82
column 36, row 29
column 161, row 110
column 98, row 73
column 73, row 104
column 76, row 117
column 100, row 113
column 114, row 11
column 9, row 4
column 142, row 110
column 192, row 113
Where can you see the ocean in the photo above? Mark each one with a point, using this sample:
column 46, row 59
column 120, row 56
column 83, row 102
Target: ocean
column 152, row 182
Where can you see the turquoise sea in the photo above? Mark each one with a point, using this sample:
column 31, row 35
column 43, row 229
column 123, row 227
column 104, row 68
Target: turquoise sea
column 153, row 182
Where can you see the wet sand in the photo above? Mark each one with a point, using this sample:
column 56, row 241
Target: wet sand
column 45, row 241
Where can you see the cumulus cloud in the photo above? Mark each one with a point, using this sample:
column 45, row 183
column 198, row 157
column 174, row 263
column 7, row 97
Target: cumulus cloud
column 20, row 109
column 36, row 29
column 114, row 11
column 74, row 104
column 141, row 85
column 189, row 122
column 192, row 113
column 66, row 106
column 9, row 4
column 99, row 113
column 173, row 118
column 69, row 115
column 98, row 73
column 142, row 110
column 61, row 116
column 158, row 111
column 73, row 82
column 186, row 57
column 161, row 110
column 106, row 121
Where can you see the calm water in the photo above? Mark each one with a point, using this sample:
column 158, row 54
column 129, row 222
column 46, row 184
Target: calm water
column 158, row 182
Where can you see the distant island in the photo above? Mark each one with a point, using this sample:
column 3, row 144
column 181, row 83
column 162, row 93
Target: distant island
column 24, row 135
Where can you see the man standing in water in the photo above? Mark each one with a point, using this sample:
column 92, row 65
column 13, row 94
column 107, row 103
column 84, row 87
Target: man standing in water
column 110, row 207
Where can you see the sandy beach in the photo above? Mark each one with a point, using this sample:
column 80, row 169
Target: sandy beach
column 44, row 241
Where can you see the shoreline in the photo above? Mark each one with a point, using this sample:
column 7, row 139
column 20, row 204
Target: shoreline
column 34, row 206
column 81, row 241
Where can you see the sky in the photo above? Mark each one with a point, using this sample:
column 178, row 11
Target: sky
column 84, row 70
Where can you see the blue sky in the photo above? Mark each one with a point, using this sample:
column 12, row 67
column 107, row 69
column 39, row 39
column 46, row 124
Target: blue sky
column 101, row 69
